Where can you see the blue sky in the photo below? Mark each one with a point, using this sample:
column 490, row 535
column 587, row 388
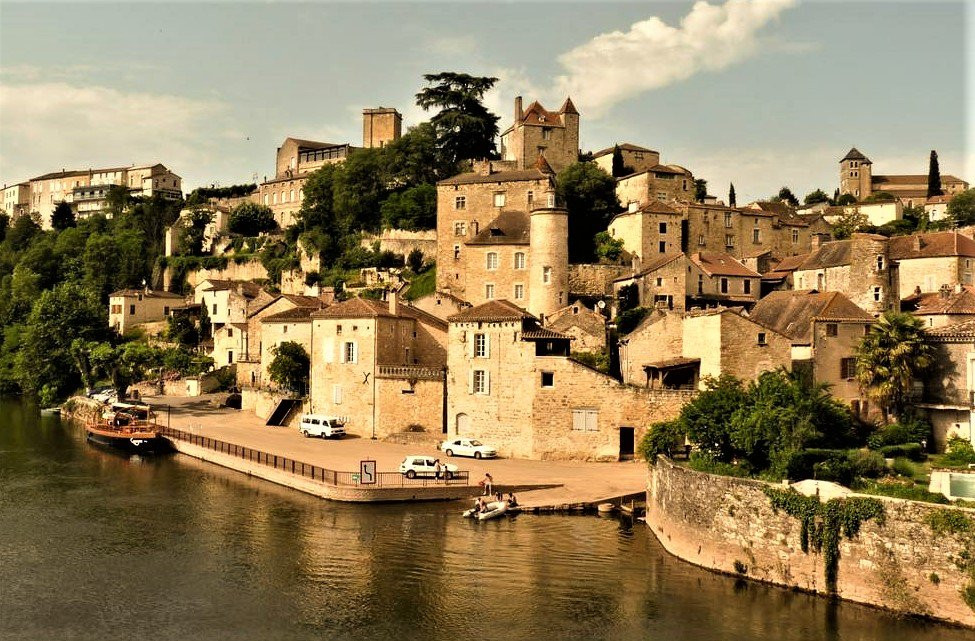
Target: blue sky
column 762, row 94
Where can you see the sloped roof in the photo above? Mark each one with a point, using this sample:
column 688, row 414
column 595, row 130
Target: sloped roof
column 790, row 263
column 492, row 311
column 831, row 254
column 585, row 319
column 568, row 107
column 854, row 154
column 668, row 169
column 295, row 314
column 472, row 178
column 247, row 288
column 963, row 330
column 536, row 114
column 791, row 313
column 295, row 299
column 933, row 245
column 774, row 207
column 721, row 264
column 652, row 266
column 314, row 144
column 544, row 333
column 145, row 294
column 625, row 146
column 355, row 308
column 950, row 303
column 509, row 228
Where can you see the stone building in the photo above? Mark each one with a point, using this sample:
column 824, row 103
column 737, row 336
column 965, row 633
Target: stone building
column 501, row 235
column 858, row 180
column 947, row 306
column 663, row 183
column 291, row 325
column 379, row 366
column 440, row 304
column 227, row 304
column 929, row 261
column 511, row 383
column 648, row 231
column 381, row 126
column 636, row 158
column 249, row 337
column 662, row 283
column 859, row 267
column 949, row 387
column 16, row 199
column 876, row 213
column 825, row 329
column 536, row 132
column 586, row 327
column 130, row 307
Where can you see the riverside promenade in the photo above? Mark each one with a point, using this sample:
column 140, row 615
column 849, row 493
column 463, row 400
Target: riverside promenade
column 556, row 483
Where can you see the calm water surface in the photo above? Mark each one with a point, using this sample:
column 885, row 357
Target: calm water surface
column 95, row 545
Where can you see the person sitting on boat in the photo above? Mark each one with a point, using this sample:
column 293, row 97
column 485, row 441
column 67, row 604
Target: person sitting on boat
column 512, row 501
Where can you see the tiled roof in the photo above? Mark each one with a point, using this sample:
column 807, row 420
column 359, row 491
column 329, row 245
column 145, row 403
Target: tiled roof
column 854, row 154
column 963, row 330
column 568, row 107
column 721, row 264
column 791, row 313
column 775, row 207
column 937, row 244
column 295, row 299
column 247, row 288
column 667, row 169
column 536, row 114
column 543, row 333
column 472, row 178
column 652, row 265
column 910, row 179
column 949, row 303
column 831, row 254
column 790, row 263
column 295, row 314
column 678, row 361
column 625, row 146
column 314, row 144
column 509, row 228
column 491, row 311
column 370, row 308
column 145, row 294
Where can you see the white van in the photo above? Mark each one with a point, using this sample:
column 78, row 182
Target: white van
column 321, row 425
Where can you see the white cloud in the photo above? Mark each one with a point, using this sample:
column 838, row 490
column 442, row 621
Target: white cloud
column 50, row 125
column 615, row 66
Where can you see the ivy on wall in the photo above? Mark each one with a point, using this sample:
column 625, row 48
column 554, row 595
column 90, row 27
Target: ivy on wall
column 945, row 522
column 824, row 523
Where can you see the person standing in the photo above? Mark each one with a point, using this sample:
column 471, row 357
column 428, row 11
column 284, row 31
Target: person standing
column 437, row 469
column 488, row 484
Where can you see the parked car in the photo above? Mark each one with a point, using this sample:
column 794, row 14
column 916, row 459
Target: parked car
column 468, row 447
column 425, row 467
column 104, row 394
column 321, row 425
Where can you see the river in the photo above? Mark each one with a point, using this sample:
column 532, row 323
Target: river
column 96, row 545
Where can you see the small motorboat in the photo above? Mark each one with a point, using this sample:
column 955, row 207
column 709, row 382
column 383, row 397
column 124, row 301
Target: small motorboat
column 492, row 510
column 50, row 411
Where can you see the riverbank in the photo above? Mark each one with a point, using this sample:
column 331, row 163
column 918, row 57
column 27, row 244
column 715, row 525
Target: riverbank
column 541, row 485
column 910, row 557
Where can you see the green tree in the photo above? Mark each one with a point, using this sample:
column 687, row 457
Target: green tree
column 890, row 358
column 192, row 232
column 416, row 159
column 251, row 219
column 181, row 330
column 589, row 194
column 815, row 197
column 846, row 199
column 465, row 128
column 850, row 221
column 359, row 187
column 413, row 209
column 786, row 196
column 59, row 316
column 961, row 208
column 732, row 200
column 62, row 217
column 126, row 364
column 22, row 232
column 700, row 189
column 608, row 249
column 116, row 200
column 290, row 367
column 4, row 225
column 620, row 168
column 934, row 176
column 707, row 419
column 414, row 260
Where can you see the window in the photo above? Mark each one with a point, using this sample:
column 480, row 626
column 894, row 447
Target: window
column 214, row 309
column 848, row 368
column 548, row 379
column 480, row 346
column 499, row 199
column 531, row 197
column 795, row 236
column 727, row 219
column 877, row 294
column 662, row 246
column 662, row 228
column 230, row 357
column 460, row 202
column 337, row 394
column 456, row 252
column 546, row 133
column 660, row 282
column 131, row 310
column 762, row 338
column 460, row 228
column 700, row 284
column 724, row 285
column 338, row 330
column 700, row 240
column 519, row 260
column 662, row 196
column 479, row 383
column 230, row 332
column 284, row 329
column 489, row 291
column 585, row 420
column 116, row 309
column 747, row 286
column 274, row 198
column 519, row 292
column 166, row 310
column 492, row 260
column 547, row 275
column 349, row 354
column 729, row 240
column 756, row 235
column 880, row 263
column 832, row 329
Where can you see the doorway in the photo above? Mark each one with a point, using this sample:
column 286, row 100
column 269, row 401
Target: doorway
column 626, row 443
column 462, row 424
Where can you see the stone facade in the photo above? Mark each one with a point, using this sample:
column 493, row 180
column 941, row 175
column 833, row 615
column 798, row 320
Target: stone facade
column 130, row 307
column 634, row 157
column 860, row 268
column 728, row 524
column 659, row 337
column 16, row 199
column 949, row 387
column 538, row 132
column 381, row 126
column 585, row 326
column 726, row 342
column 648, row 232
column 663, row 183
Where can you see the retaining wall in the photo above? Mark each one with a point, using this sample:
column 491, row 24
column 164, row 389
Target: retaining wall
column 728, row 524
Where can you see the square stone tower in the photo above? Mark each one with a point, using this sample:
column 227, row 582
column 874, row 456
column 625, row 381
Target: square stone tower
column 856, row 175
column 537, row 131
column 380, row 126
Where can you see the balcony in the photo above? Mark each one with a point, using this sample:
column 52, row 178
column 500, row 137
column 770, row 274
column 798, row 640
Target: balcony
column 408, row 372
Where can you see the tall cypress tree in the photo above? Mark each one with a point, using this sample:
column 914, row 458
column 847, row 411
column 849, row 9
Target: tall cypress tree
column 731, row 196
column 934, row 176
column 618, row 168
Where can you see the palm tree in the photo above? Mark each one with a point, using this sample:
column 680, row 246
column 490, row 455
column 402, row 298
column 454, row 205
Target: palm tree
column 889, row 359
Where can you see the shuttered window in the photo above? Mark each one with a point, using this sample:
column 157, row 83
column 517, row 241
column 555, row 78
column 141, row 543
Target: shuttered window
column 585, row 420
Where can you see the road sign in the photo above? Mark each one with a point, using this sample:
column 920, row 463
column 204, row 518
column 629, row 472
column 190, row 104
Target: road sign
column 367, row 472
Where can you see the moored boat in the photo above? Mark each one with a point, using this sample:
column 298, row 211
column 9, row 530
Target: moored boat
column 128, row 427
column 491, row 510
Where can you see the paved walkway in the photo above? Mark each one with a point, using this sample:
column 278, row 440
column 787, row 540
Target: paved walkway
column 580, row 482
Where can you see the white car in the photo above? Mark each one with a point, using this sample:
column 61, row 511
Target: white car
column 468, row 447
column 425, row 467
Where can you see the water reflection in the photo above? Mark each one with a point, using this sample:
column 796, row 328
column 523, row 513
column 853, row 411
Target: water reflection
column 96, row 545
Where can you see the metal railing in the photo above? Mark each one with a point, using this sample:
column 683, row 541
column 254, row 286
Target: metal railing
column 307, row 470
column 410, row 372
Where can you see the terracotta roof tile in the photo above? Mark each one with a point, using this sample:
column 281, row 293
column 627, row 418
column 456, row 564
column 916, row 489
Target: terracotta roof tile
column 295, row 314
column 721, row 264
column 854, row 154
column 963, row 330
column 492, row 311
column 937, row 244
column 520, row 175
column 625, row 146
column 950, row 303
column 791, row 313
column 509, row 228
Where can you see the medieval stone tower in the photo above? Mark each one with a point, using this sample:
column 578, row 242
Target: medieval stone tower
column 856, row 173
column 537, row 131
column 548, row 289
column 873, row 280
column 380, row 126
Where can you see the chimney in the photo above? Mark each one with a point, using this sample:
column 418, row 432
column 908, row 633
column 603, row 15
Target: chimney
column 519, row 114
column 393, row 303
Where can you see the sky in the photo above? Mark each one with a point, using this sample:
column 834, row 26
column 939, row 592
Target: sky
column 760, row 93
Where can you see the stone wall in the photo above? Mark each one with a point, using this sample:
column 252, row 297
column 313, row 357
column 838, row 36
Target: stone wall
column 251, row 270
column 595, row 280
column 400, row 241
column 728, row 524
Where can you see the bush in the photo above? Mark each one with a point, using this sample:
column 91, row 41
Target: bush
column 839, row 466
column 906, row 431
column 598, row 361
column 628, row 320
column 912, row 451
column 910, row 491
column 251, row 219
column 959, row 453
column 702, row 462
column 662, row 438
column 903, row 467
column 867, row 464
